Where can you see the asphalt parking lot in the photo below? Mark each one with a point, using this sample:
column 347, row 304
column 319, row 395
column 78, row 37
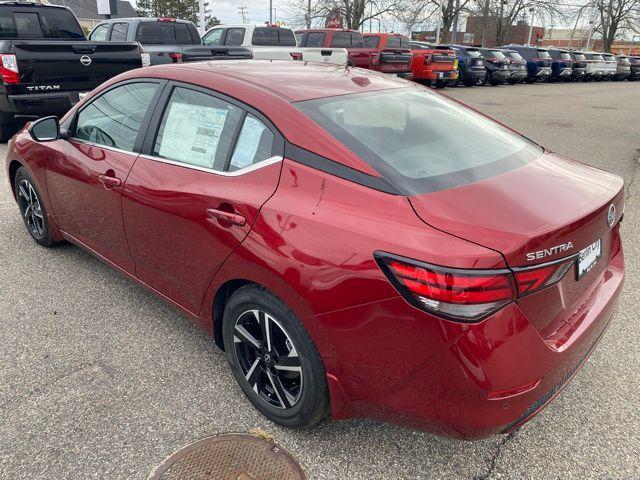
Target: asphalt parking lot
column 100, row 379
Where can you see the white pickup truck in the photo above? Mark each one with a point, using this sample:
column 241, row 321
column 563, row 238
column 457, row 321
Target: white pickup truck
column 271, row 43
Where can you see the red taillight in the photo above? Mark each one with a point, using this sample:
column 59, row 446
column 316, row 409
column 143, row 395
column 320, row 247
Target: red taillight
column 427, row 58
column 9, row 68
column 532, row 279
column 296, row 55
column 461, row 295
column 166, row 19
column 176, row 57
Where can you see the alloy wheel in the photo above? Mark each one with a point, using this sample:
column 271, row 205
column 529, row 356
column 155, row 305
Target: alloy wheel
column 268, row 359
column 30, row 208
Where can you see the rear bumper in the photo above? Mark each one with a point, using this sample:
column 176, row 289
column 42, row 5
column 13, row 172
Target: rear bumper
column 390, row 361
column 38, row 104
column 439, row 75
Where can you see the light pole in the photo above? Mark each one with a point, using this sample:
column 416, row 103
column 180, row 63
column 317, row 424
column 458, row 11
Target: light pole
column 454, row 30
column 573, row 32
column 201, row 17
column 439, row 22
column 591, row 22
column 531, row 12
column 270, row 12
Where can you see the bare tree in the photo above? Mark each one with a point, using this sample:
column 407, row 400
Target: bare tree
column 451, row 9
column 614, row 15
column 413, row 13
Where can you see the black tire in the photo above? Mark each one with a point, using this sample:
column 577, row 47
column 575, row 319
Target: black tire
column 261, row 379
column 32, row 209
column 512, row 81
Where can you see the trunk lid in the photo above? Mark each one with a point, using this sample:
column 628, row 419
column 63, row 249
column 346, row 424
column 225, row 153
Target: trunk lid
column 544, row 204
column 546, row 210
column 63, row 65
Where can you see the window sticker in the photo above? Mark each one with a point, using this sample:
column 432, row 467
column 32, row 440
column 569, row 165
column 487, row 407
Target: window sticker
column 247, row 145
column 191, row 133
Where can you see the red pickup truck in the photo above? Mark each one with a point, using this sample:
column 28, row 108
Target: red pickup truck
column 434, row 64
column 394, row 50
column 351, row 40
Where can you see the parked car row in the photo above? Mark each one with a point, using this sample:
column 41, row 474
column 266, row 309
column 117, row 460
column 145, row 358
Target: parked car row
column 525, row 63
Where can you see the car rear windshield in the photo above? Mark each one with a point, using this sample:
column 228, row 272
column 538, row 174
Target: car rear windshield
column 420, row 141
column 496, row 54
column 579, row 57
column 347, row 40
column 273, row 37
column 48, row 23
column 543, row 54
column 609, row 58
column 565, row 56
column 398, row 41
column 516, row 55
column 473, row 53
column 165, row 33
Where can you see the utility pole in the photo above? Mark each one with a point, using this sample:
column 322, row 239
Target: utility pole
column 454, row 30
column 500, row 38
column 243, row 12
column 270, row 12
column 201, row 20
column 439, row 22
column 308, row 14
column 532, row 10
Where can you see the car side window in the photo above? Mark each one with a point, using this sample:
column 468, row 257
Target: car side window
column 99, row 34
column 372, row 42
column 254, row 145
column 114, row 118
column 197, row 129
column 119, row 32
column 315, row 39
column 213, row 37
column 235, row 37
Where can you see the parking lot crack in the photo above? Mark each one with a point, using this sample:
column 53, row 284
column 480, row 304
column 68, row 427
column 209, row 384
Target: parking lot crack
column 495, row 456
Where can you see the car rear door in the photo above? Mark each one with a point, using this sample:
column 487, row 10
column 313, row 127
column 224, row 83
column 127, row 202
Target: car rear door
column 85, row 172
column 208, row 165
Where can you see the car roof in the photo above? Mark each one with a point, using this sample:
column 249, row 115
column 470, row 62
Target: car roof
column 295, row 81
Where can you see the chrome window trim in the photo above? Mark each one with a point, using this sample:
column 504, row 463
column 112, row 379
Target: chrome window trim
column 107, row 147
column 256, row 166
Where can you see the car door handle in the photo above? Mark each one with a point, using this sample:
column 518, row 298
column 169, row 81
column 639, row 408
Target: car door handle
column 228, row 217
column 109, row 181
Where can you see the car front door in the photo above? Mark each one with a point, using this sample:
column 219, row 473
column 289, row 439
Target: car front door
column 86, row 171
column 208, row 165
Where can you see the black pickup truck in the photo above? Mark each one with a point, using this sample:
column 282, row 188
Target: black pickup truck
column 47, row 64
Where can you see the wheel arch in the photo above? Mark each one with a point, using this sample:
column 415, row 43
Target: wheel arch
column 14, row 165
column 222, row 296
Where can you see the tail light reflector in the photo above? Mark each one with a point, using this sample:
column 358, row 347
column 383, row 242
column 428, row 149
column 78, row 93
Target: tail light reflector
column 176, row 57
column 530, row 280
column 460, row 295
column 296, row 55
column 166, row 19
column 9, row 68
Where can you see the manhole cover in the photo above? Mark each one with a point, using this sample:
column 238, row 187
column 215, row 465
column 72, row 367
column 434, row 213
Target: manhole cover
column 230, row 457
column 560, row 124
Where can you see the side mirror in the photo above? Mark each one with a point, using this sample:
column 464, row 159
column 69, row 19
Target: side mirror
column 45, row 129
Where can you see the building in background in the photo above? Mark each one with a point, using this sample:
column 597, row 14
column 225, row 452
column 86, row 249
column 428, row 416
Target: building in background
column 518, row 33
column 87, row 11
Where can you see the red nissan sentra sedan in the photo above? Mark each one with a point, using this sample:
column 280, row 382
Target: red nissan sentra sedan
column 355, row 243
